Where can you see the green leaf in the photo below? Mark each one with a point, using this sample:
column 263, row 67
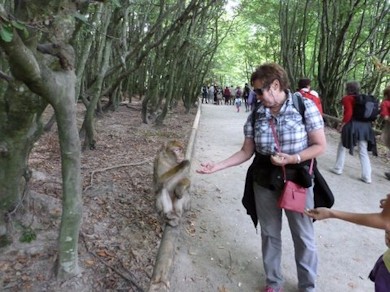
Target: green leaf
column 116, row 4
column 80, row 17
column 18, row 25
column 6, row 33
column 25, row 33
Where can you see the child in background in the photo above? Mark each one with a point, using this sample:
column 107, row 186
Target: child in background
column 238, row 102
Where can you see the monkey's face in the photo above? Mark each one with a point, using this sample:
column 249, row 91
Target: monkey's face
column 178, row 153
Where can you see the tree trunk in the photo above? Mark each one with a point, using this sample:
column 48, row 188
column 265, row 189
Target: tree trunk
column 71, row 177
column 20, row 127
column 52, row 77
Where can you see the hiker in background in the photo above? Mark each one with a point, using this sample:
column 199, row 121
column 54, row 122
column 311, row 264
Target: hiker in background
column 232, row 94
column 380, row 274
column 385, row 114
column 226, row 95
column 204, row 93
column 306, row 91
column 238, row 99
column 252, row 100
column 216, row 88
column 354, row 132
column 211, row 93
column 219, row 96
column 245, row 96
column 301, row 140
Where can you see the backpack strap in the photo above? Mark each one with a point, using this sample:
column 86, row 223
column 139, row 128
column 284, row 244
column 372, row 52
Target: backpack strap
column 299, row 104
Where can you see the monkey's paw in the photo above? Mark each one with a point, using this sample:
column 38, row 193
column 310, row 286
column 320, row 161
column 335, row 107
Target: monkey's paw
column 172, row 219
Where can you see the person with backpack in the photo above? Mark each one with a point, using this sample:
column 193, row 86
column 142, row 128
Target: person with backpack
column 204, row 93
column 306, row 91
column 238, row 100
column 245, row 96
column 355, row 130
column 385, row 114
column 226, row 95
column 301, row 138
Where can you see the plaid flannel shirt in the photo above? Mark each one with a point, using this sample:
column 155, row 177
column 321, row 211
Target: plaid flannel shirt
column 291, row 131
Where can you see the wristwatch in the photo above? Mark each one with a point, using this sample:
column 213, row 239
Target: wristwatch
column 298, row 158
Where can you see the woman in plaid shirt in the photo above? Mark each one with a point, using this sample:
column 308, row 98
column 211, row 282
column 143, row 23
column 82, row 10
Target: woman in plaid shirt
column 301, row 138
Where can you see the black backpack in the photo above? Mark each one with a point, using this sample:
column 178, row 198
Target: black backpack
column 366, row 108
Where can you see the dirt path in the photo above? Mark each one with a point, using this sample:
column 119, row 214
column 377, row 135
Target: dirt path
column 218, row 248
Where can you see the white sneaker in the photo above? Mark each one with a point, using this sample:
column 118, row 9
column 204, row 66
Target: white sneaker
column 335, row 171
column 365, row 180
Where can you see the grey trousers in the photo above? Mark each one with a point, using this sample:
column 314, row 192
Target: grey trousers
column 363, row 156
column 302, row 231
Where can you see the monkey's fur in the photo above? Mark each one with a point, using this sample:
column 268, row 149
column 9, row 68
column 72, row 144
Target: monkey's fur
column 171, row 182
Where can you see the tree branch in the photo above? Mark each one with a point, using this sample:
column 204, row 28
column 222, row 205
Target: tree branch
column 63, row 52
column 112, row 167
column 6, row 77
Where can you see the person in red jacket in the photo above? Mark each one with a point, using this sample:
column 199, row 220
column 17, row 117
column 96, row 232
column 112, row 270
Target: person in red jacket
column 354, row 133
column 385, row 114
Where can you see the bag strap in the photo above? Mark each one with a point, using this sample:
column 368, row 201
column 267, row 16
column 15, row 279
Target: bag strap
column 272, row 124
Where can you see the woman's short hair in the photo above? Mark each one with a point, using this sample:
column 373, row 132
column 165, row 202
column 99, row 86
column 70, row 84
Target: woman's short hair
column 268, row 73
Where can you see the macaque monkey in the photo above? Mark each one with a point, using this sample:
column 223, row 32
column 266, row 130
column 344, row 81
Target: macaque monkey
column 171, row 182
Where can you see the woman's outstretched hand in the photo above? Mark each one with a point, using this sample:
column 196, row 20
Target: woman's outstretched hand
column 207, row 167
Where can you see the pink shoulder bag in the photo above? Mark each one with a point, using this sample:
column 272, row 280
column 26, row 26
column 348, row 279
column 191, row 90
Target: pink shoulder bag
column 293, row 197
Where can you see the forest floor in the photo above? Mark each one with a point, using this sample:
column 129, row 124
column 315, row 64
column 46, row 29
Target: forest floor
column 120, row 233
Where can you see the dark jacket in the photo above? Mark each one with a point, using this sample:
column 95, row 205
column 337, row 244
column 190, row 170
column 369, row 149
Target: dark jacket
column 355, row 131
column 271, row 177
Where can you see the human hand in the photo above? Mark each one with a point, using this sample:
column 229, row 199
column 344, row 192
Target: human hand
column 207, row 167
column 282, row 159
column 318, row 213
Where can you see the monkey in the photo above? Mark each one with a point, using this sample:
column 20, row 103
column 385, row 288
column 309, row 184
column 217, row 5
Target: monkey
column 171, row 182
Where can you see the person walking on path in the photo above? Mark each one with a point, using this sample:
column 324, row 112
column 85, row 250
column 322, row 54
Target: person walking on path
column 238, row 99
column 301, row 140
column 305, row 89
column 354, row 132
column 385, row 114
column 245, row 96
column 380, row 274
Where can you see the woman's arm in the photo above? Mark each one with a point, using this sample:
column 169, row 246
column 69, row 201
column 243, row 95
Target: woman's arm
column 237, row 158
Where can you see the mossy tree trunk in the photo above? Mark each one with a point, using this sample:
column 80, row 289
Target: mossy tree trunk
column 20, row 127
column 45, row 64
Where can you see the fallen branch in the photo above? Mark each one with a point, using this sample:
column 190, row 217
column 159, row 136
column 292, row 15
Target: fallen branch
column 112, row 167
column 109, row 266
